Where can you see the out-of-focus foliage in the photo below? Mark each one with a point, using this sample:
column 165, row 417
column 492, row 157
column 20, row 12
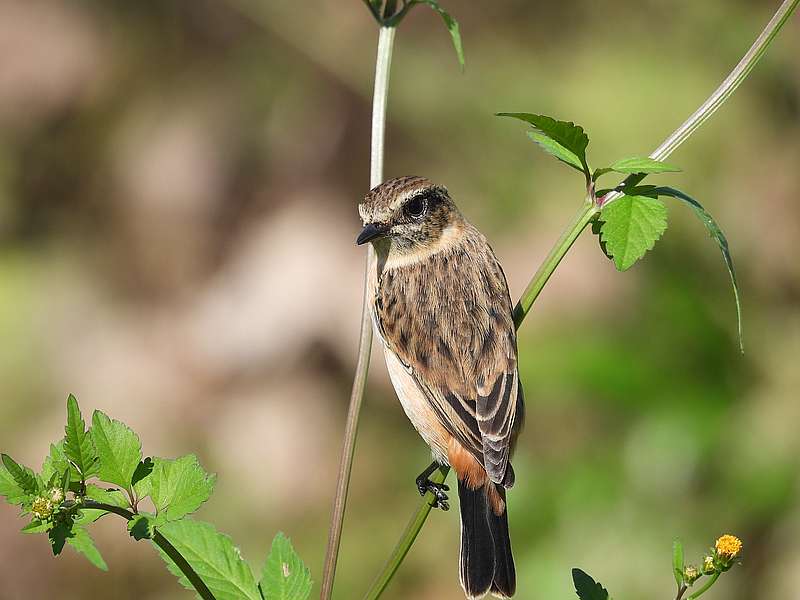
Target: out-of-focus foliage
column 178, row 183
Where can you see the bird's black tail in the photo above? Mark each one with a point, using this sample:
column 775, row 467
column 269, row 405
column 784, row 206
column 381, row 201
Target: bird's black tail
column 486, row 563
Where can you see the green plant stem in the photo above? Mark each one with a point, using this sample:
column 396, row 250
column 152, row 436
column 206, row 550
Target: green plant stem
column 719, row 96
column 382, row 67
column 159, row 540
column 569, row 236
column 557, row 253
column 406, row 540
column 711, row 581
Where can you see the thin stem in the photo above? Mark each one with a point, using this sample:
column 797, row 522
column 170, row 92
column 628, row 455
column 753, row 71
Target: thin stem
column 681, row 591
column 406, row 540
column 574, row 229
column 711, row 581
column 382, row 67
column 720, row 95
column 159, row 540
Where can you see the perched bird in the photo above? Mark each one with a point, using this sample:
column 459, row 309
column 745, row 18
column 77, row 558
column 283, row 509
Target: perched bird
column 441, row 306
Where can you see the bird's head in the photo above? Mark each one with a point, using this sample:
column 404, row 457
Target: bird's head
column 409, row 214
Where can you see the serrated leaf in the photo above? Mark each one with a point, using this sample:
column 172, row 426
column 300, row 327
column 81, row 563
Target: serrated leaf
column 14, row 494
column 58, row 536
column 213, row 557
column 57, row 462
column 631, row 227
column 568, row 141
column 587, row 588
column 178, row 487
column 36, row 526
column 677, row 561
column 284, row 576
column 119, row 449
column 555, row 149
column 715, row 232
column 78, row 446
column 452, row 27
column 22, row 476
column 83, row 543
column 141, row 526
column 642, row 164
column 143, row 469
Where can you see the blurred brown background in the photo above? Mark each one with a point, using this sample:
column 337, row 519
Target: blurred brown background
column 178, row 190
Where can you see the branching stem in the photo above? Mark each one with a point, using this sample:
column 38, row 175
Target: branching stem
column 159, row 540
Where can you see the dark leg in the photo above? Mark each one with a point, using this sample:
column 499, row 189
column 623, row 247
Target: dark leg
column 424, row 485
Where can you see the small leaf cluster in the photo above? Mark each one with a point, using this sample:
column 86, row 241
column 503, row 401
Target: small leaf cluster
column 389, row 13
column 100, row 470
column 629, row 218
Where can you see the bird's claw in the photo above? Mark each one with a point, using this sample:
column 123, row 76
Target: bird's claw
column 437, row 489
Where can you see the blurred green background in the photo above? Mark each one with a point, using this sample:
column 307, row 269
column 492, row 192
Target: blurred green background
column 178, row 190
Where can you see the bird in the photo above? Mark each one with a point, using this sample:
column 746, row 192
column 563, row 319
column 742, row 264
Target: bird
column 440, row 305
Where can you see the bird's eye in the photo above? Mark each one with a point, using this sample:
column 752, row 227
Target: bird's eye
column 417, row 207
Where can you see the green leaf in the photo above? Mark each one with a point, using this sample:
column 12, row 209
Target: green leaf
column 586, row 587
column 143, row 469
column 83, row 543
column 58, row 536
column 141, row 526
column 631, row 227
column 642, row 164
column 78, row 446
column 213, row 557
column 9, row 488
column 119, row 448
column 36, row 526
column 555, row 149
column 284, row 576
column 107, row 496
column 178, row 487
column 23, row 478
column 452, row 27
column 715, row 232
column 677, row 561
column 57, row 462
column 565, row 140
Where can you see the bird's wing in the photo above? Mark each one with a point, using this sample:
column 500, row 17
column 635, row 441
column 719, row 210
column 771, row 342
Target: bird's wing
column 449, row 321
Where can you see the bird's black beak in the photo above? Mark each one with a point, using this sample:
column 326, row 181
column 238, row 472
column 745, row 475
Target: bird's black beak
column 370, row 232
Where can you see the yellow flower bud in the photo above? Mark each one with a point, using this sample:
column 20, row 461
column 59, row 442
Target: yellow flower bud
column 708, row 565
column 728, row 547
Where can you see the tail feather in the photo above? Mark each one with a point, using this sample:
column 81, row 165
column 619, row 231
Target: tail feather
column 486, row 563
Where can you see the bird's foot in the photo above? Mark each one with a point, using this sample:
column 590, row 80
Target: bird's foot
column 425, row 485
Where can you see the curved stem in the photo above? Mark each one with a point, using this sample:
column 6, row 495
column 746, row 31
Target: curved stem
column 711, row 581
column 380, row 96
column 564, row 243
column 720, row 95
column 159, row 540
column 406, row 540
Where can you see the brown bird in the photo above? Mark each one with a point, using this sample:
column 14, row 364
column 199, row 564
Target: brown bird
column 442, row 308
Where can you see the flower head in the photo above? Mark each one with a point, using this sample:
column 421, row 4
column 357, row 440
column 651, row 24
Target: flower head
column 691, row 574
column 728, row 547
column 42, row 508
column 56, row 496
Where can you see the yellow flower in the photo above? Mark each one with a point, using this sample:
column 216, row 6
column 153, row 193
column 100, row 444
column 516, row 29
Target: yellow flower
column 728, row 547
